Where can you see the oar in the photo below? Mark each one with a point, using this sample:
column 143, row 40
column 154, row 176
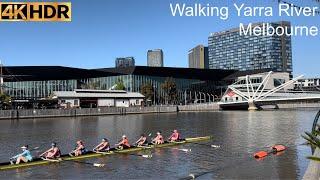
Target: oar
column 212, row 145
column 142, row 155
column 184, row 150
column 35, row 148
column 81, row 162
column 75, row 161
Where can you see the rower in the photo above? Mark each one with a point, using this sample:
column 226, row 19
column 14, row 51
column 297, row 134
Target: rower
column 123, row 143
column 104, row 146
column 25, row 156
column 142, row 141
column 175, row 136
column 79, row 150
column 158, row 139
column 52, row 153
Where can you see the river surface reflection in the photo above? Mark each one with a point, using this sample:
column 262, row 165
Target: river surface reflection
column 240, row 134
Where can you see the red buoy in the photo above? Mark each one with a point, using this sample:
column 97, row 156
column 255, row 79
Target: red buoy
column 260, row 154
column 278, row 148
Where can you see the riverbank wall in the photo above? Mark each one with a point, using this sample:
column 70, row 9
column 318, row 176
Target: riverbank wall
column 200, row 107
column 46, row 113
column 298, row 105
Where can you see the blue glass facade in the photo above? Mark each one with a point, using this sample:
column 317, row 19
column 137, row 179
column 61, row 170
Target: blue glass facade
column 38, row 82
column 132, row 83
column 230, row 50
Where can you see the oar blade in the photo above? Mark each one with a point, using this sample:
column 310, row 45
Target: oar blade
column 185, row 150
column 215, row 146
column 147, row 156
column 98, row 165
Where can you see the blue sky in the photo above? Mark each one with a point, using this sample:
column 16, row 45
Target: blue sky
column 100, row 31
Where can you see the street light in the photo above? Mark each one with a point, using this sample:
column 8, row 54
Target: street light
column 154, row 94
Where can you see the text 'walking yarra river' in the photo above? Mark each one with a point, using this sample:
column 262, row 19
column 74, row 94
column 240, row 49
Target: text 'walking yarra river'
column 239, row 134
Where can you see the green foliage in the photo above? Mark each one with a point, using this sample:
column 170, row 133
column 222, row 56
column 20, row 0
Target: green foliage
column 313, row 140
column 5, row 101
column 170, row 88
column 120, row 85
column 148, row 91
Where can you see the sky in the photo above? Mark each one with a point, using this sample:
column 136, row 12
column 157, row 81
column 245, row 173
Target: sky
column 102, row 30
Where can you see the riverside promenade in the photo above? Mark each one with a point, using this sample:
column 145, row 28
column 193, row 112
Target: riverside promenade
column 313, row 170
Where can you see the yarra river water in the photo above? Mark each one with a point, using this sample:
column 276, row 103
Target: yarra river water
column 239, row 133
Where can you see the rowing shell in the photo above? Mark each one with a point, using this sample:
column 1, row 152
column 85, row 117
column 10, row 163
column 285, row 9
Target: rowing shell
column 90, row 154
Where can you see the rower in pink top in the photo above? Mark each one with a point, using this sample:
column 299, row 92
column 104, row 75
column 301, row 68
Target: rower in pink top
column 158, row 139
column 175, row 136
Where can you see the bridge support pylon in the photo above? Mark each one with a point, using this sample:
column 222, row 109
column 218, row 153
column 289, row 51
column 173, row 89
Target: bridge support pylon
column 252, row 105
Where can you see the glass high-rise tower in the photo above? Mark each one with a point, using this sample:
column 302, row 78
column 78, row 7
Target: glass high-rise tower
column 231, row 50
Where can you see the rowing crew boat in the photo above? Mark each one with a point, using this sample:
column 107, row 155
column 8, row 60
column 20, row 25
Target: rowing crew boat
column 90, row 154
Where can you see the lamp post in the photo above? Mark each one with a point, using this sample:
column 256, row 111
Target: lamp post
column 154, row 94
column 185, row 97
column 195, row 97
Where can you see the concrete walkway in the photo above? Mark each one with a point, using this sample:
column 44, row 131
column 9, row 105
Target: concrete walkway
column 313, row 170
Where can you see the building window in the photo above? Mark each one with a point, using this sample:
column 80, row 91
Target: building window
column 278, row 82
column 76, row 102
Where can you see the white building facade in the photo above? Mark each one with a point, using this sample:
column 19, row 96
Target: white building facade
column 97, row 98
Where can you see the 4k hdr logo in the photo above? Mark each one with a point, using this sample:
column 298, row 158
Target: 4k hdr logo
column 35, row 11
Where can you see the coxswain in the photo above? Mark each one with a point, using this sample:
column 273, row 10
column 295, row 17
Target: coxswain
column 123, row 143
column 175, row 136
column 52, row 153
column 25, row 156
column 79, row 150
column 142, row 141
column 104, row 146
column 158, row 139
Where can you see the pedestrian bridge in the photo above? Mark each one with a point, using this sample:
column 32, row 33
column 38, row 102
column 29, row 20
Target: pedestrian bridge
column 250, row 93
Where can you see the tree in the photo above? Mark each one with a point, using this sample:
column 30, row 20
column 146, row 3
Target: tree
column 170, row 89
column 148, row 91
column 120, row 85
column 5, row 101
